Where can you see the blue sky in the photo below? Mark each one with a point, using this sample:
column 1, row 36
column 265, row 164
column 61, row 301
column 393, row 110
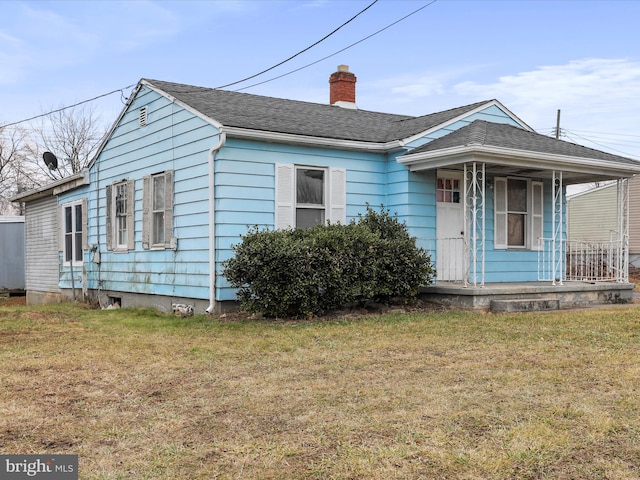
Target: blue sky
column 536, row 57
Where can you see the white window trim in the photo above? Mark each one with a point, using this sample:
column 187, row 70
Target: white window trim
column 325, row 193
column 170, row 241
column 111, row 225
column 285, row 194
column 534, row 222
column 116, row 224
column 83, row 204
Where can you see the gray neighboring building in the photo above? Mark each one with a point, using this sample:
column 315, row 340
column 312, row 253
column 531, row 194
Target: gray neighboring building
column 12, row 266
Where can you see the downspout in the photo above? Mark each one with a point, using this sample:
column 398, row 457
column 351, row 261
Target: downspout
column 222, row 137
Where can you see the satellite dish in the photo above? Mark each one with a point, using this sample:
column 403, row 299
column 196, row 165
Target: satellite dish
column 50, row 160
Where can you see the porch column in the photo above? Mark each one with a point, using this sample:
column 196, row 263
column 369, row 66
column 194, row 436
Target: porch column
column 622, row 256
column 474, row 227
column 557, row 240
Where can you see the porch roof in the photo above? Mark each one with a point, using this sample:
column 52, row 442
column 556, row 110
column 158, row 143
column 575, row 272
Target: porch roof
column 510, row 150
column 54, row 188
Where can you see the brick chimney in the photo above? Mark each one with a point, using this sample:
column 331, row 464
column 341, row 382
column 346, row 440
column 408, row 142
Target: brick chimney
column 342, row 88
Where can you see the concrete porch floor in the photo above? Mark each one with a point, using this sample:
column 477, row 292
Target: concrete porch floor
column 528, row 295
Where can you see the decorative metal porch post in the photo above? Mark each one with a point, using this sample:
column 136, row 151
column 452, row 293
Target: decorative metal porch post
column 557, row 267
column 622, row 257
column 474, row 221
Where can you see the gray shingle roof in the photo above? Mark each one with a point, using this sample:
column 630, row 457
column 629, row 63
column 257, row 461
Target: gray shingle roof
column 270, row 114
column 501, row 135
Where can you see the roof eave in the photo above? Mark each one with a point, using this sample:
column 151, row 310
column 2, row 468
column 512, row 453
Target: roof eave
column 516, row 158
column 308, row 140
column 54, row 188
column 181, row 103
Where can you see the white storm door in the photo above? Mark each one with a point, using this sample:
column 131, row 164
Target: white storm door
column 449, row 227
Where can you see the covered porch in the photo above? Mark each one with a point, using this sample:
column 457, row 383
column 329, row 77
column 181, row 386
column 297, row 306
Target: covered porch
column 499, row 245
column 567, row 274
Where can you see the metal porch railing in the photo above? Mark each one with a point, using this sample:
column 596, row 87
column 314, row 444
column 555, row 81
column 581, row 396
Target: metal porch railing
column 583, row 261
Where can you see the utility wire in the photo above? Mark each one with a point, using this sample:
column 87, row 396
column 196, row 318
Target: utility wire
column 121, row 90
column 593, row 134
column 602, row 142
column 341, row 50
column 301, row 51
column 608, row 133
column 599, row 144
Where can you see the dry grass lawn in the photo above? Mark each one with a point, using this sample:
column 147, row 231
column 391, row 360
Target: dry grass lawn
column 449, row 395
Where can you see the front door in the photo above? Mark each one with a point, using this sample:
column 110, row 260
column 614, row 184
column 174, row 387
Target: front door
column 449, row 227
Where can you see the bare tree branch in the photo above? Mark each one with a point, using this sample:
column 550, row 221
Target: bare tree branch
column 72, row 135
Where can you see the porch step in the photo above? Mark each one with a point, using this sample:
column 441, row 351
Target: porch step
column 525, row 305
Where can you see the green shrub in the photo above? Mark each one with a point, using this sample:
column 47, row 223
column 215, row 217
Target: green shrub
column 401, row 268
column 301, row 273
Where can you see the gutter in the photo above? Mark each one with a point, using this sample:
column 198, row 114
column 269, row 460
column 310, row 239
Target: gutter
column 295, row 139
column 222, row 138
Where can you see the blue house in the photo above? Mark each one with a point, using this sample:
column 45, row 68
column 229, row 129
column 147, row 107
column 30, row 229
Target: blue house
column 185, row 170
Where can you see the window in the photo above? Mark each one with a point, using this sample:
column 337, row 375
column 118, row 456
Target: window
column 120, row 202
column 448, row 190
column 74, row 231
column 518, row 213
column 121, row 215
column 308, row 196
column 157, row 211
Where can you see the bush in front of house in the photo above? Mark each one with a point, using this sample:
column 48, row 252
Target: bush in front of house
column 303, row 273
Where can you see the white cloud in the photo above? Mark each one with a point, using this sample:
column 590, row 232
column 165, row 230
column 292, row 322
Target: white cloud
column 593, row 94
column 588, row 87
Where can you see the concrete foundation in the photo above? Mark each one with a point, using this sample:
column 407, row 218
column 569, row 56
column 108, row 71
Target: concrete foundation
column 35, row 297
column 568, row 295
column 161, row 303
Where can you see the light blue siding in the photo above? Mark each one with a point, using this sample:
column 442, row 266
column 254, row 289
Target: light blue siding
column 174, row 139
column 245, row 188
column 490, row 114
column 244, row 185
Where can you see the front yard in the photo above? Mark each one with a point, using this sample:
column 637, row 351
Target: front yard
column 142, row 395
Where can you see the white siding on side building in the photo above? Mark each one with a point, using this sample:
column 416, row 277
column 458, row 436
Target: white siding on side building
column 634, row 216
column 592, row 215
column 41, row 252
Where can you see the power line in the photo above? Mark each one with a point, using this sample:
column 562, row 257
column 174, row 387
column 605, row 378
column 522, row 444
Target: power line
column 597, row 143
column 341, row 50
column 303, row 50
column 603, row 135
column 609, row 133
column 606, row 142
column 121, row 90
